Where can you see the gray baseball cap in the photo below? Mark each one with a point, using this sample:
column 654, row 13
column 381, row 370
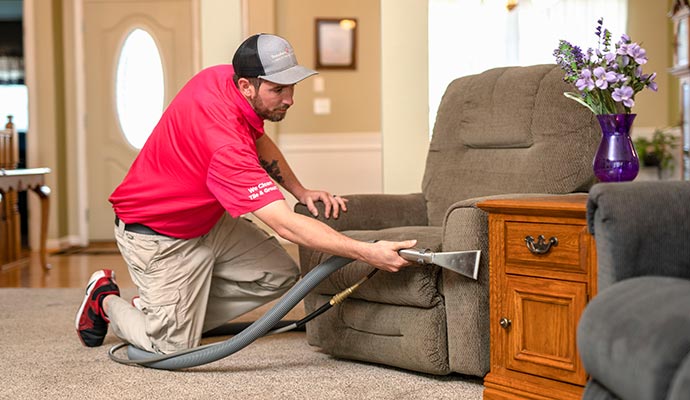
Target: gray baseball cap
column 269, row 57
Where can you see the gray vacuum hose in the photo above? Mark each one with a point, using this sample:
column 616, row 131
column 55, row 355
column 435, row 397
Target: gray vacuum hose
column 210, row 353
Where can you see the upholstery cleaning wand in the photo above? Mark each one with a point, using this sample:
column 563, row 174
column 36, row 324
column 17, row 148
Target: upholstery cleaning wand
column 463, row 262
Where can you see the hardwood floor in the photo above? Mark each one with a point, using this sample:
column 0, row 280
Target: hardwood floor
column 73, row 268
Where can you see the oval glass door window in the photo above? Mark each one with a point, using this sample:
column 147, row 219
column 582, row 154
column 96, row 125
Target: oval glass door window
column 139, row 90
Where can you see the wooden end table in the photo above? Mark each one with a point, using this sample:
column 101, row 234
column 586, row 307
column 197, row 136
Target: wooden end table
column 542, row 274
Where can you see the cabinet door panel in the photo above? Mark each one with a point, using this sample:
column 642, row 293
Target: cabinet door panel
column 541, row 337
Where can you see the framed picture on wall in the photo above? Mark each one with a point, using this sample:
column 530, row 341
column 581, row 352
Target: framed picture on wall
column 336, row 43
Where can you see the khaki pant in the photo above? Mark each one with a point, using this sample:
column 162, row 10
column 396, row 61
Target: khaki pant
column 188, row 287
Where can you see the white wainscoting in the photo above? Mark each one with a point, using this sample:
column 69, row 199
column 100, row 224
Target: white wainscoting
column 340, row 163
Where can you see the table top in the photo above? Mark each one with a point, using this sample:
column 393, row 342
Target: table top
column 574, row 203
column 24, row 171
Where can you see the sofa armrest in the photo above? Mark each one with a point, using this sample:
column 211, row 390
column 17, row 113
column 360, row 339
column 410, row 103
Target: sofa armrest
column 640, row 228
column 375, row 211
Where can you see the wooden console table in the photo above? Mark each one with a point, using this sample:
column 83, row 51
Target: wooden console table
column 18, row 180
column 542, row 274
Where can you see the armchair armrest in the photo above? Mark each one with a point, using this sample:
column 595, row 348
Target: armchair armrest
column 640, row 228
column 375, row 211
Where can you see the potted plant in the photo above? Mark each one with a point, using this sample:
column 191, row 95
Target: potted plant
column 657, row 151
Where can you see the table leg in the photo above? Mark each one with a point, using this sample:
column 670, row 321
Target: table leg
column 4, row 232
column 44, row 193
column 11, row 219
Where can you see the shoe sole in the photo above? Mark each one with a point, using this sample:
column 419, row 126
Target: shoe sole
column 89, row 290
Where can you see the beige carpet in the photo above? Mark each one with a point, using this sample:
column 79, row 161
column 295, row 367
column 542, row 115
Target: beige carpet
column 42, row 358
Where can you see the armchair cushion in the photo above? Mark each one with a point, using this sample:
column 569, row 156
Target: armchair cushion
column 405, row 337
column 416, row 286
column 633, row 337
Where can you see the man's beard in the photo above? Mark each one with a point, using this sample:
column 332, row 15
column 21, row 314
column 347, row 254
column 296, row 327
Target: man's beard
column 263, row 112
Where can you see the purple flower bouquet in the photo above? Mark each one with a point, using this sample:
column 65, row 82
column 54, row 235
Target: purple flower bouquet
column 607, row 78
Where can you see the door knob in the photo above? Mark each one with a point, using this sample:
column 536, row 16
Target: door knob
column 505, row 323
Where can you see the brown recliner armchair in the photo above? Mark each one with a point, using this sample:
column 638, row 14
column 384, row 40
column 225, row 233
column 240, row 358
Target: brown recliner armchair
column 505, row 132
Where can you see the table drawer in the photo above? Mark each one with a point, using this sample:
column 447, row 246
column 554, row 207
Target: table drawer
column 553, row 246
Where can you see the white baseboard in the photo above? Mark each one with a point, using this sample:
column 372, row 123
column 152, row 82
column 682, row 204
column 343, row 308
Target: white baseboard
column 64, row 243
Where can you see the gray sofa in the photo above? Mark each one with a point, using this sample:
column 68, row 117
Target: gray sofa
column 634, row 336
column 504, row 132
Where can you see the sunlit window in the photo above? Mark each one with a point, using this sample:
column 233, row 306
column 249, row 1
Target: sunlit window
column 470, row 36
column 14, row 101
column 139, row 87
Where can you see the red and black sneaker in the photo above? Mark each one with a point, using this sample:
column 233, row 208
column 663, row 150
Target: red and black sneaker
column 91, row 321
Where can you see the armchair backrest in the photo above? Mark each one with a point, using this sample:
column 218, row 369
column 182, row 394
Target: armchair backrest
column 641, row 228
column 508, row 130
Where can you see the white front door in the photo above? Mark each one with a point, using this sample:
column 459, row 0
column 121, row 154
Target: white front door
column 107, row 24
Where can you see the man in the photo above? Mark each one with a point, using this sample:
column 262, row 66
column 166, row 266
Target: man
column 196, row 263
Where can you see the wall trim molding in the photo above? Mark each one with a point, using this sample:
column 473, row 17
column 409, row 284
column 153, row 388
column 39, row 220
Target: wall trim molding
column 330, row 142
column 329, row 148
column 65, row 242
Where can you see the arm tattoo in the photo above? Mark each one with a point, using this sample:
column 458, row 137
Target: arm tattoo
column 272, row 169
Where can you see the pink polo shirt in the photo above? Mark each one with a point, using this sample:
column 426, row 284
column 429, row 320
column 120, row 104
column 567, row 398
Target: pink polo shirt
column 199, row 162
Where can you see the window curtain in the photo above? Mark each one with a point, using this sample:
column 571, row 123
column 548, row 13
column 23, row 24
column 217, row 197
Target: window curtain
column 470, row 36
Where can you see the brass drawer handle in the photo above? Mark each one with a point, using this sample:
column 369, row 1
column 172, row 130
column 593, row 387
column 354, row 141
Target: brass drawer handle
column 505, row 323
column 541, row 246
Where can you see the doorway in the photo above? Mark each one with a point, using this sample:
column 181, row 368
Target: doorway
column 108, row 28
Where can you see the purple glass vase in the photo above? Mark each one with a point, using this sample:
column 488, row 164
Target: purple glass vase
column 616, row 159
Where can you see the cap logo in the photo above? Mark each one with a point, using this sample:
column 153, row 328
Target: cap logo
column 282, row 54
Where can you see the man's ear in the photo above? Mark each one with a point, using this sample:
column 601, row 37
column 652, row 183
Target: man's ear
column 246, row 88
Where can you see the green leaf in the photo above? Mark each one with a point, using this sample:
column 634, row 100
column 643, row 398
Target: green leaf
column 577, row 98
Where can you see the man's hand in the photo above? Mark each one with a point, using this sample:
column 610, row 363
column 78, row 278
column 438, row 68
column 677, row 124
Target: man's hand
column 384, row 255
column 333, row 203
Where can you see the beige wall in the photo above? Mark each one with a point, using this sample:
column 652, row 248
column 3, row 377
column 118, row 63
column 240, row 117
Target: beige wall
column 405, row 126
column 220, row 29
column 355, row 95
column 649, row 24
column 260, row 16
